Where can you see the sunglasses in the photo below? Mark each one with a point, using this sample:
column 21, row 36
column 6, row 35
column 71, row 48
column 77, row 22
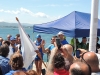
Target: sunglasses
column 83, row 60
column 52, row 39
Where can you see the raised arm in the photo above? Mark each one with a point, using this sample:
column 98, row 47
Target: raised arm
column 50, row 68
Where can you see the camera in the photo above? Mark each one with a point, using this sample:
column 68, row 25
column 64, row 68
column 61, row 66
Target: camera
column 58, row 42
column 78, row 53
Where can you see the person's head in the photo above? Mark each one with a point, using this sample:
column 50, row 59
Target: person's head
column 17, row 35
column 91, row 59
column 8, row 37
column 16, row 61
column 19, row 40
column 1, row 40
column 69, row 48
column 12, row 40
column 84, row 40
column 38, row 37
column 77, row 41
column 53, row 39
column 61, row 35
column 31, row 72
column 79, row 68
column 4, row 50
column 59, row 61
column 6, row 42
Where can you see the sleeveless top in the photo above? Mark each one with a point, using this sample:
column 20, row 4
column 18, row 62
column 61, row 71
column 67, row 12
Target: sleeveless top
column 37, row 43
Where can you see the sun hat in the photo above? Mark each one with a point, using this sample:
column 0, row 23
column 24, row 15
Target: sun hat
column 12, row 38
column 38, row 36
column 60, row 33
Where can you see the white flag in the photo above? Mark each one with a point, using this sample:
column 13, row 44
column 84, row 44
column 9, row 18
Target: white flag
column 28, row 47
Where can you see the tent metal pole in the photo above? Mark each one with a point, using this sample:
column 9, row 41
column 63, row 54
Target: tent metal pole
column 74, row 45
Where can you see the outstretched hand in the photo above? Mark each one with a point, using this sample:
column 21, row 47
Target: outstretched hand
column 82, row 50
column 43, row 43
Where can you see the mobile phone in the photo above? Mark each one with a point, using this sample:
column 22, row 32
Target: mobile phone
column 58, row 43
column 78, row 53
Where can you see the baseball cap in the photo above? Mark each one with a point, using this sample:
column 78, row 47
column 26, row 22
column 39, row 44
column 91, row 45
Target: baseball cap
column 61, row 33
column 12, row 38
column 38, row 36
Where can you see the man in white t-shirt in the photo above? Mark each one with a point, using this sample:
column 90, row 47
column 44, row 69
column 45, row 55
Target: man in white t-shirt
column 12, row 47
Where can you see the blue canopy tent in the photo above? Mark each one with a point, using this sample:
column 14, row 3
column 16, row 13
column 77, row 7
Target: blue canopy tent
column 75, row 24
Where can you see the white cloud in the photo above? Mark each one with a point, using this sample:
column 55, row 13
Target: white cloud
column 16, row 12
column 10, row 11
column 40, row 14
column 1, row 20
column 1, row 10
column 23, row 10
column 26, row 11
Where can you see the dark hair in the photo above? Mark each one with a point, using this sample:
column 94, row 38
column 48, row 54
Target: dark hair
column 83, row 37
column 54, row 36
column 7, row 42
column 76, row 71
column 16, row 61
column 4, row 50
column 18, row 35
column 59, row 61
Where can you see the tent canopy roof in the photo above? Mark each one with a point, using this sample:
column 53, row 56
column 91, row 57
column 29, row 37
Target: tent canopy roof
column 75, row 24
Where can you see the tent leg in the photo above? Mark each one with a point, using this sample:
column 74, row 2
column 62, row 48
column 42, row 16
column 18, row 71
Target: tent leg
column 74, row 45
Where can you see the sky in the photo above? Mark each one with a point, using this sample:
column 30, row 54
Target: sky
column 41, row 11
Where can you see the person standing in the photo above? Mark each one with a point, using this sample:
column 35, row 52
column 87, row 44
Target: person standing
column 4, row 61
column 83, row 44
column 16, row 63
column 8, row 37
column 97, row 45
column 51, row 46
column 12, row 46
column 62, row 38
column 38, row 59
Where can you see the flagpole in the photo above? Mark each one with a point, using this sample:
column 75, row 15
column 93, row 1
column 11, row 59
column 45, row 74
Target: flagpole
column 32, row 44
column 93, row 25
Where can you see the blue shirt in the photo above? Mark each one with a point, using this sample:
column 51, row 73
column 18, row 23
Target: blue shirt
column 63, row 42
column 38, row 43
column 13, row 71
column 4, row 63
column 50, row 47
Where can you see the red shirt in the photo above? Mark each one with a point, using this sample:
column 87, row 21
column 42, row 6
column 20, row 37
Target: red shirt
column 61, row 72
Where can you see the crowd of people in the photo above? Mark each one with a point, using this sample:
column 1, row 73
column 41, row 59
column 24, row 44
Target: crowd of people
column 61, row 57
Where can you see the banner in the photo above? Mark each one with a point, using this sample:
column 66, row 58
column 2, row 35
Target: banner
column 28, row 47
